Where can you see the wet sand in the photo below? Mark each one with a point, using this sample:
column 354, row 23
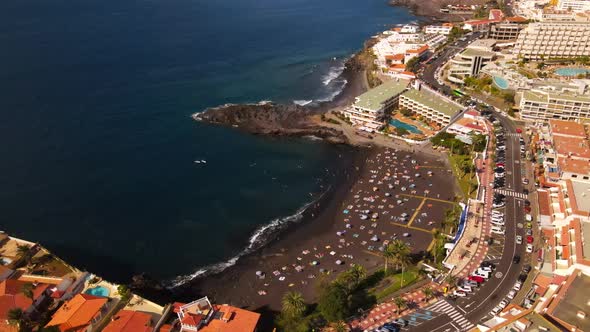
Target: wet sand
column 338, row 228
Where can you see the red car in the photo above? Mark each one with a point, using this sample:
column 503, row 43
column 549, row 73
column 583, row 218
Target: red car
column 529, row 239
column 477, row 279
column 500, row 165
column 518, row 130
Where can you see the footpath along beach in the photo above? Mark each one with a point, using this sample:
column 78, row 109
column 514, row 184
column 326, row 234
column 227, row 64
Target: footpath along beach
column 387, row 195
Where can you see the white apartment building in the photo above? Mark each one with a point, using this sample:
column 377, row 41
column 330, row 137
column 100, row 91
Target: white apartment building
column 430, row 105
column 540, row 105
column 553, row 40
column 370, row 108
column 468, row 63
column 574, row 5
column 442, row 29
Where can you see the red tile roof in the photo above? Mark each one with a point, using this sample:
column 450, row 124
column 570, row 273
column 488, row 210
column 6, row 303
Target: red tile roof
column 78, row 312
column 130, row 321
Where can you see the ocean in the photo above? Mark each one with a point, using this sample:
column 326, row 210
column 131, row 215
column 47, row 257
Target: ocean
column 98, row 153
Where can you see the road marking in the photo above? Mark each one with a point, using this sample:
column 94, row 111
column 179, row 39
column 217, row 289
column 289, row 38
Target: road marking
column 411, row 227
column 429, row 198
column 416, row 212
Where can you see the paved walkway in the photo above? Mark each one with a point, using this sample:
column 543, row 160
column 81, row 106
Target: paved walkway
column 388, row 311
column 472, row 247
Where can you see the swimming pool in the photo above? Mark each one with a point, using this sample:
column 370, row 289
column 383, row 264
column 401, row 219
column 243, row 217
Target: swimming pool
column 571, row 71
column 98, row 291
column 501, row 82
column 398, row 124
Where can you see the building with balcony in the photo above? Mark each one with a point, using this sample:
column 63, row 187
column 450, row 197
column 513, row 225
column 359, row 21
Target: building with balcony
column 573, row 5
column 504, row 31
column 203, row 316
column 440, row 29
column 468, row 63
column 546, row 40
column 429, row 105
column 370, row 109
column 541, row 105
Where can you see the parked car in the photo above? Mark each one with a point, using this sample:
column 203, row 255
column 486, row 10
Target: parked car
column 516, row 259
column 459, row 293
column 511, row 294
column 518, row 239
column 477, row 279
column 530, row 239
column 517, row 286
column 529, row 248
column 400, row 322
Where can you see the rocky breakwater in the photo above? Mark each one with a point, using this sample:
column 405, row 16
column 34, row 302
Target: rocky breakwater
column 271, row 119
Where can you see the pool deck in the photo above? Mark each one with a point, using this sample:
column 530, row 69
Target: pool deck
column 427, row 132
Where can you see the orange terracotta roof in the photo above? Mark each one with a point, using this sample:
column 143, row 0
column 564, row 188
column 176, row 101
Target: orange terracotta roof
column 130, row 321
column 7, row 327
column 11, row 295
column 574, row 166
column 479, row 22
column 496, row 14
column 516, row 19
column 565, row 254
column 409, row 73
column 572, row 146
column 569, row 128
column 544, row 203
column 448, row 24
column 419, row 50
column 192, row 319
column 395, row 57
column 239, row 320
column 166, row 328
column 565, row 237
column 543, row 280
column 78, row 312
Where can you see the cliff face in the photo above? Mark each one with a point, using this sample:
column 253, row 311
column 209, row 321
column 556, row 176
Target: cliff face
column 270, row 119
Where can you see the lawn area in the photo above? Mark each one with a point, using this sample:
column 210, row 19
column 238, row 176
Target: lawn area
column 467, row 183
column 394, row 283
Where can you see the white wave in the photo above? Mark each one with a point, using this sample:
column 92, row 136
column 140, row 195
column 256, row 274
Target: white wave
column 334, row 93
column 302, row 102
column 259, row 238
column 313, row 138
column 333, row 74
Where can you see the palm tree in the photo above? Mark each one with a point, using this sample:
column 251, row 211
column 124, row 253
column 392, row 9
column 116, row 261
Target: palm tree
column 27, row 290
column 340, row 327
column 388, row 253
column 23, row 250
column 400, row 303
column 401, row 255
column 353, row 277
column 293, row 304
column 428, row 292
column 16, row 316
column 452, row 280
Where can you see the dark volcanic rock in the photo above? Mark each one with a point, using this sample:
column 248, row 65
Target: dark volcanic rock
column 271, row 119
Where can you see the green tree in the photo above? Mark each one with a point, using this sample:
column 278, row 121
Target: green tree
column 23, row 250
column 27, row 290
column 16, row 316
column 124, row 292
column 293, row 305
column 401, row 131
column 400, row 303
column 428, row 292
column 412, row 63
column 352, row 278
column 388, row 254
column 333, row 302
column 340, row 326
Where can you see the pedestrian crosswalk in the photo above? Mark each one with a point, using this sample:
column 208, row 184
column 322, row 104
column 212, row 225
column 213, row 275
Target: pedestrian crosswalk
column 513, row 135
column 445, row 307
column 511, row 193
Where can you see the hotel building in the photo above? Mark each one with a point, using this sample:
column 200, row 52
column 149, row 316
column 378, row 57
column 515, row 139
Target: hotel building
column 468, row 63
column 546, row 40
column 370, row 108
column 430, row 105
column 442, row 29
column 543, row 105
column 504, row 31
column 574, row 5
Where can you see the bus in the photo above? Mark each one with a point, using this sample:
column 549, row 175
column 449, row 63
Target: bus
column 458, row 93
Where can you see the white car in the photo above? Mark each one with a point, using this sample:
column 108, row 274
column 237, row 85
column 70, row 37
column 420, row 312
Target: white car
column 498, row 231
column 517, row 286
column 486, row 268
column 498, row 214
column 495, row 311
column 501, row 204
column 497, row 223
column 529, row 248
column 465, row 289
column 518, row 239
column 511, row 294
column 459, row 293
column 497, row 218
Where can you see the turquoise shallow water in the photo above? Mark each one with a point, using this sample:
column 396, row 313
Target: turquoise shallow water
column 397, row 123
column 97, row 160
column 501, row 82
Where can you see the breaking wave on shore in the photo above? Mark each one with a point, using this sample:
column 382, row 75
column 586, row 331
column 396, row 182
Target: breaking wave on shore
column 302, row 102
column 257, row 240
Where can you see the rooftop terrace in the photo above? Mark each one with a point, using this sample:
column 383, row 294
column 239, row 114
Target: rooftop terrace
column 433, row 101
column 374, row 98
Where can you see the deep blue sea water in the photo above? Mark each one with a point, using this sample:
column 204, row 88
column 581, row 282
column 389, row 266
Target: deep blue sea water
column 97, row 148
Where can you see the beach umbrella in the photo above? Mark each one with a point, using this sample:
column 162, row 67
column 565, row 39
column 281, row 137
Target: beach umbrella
column 339, row 262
